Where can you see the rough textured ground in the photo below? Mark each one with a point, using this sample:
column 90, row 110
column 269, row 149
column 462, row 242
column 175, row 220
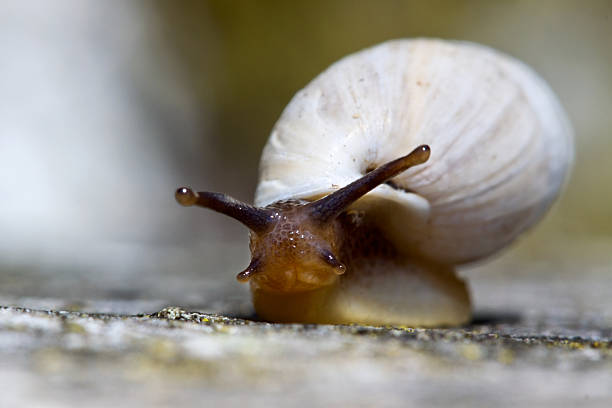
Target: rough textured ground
column 175, row 357
column 538, row 339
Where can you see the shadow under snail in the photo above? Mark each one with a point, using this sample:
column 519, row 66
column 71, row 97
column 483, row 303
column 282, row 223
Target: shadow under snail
column 354, row 222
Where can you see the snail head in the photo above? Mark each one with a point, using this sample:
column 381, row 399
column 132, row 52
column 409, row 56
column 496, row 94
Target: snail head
column 295, row 245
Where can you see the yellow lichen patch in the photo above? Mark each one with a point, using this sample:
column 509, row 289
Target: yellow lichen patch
column 163, row 349
column 599, row 344
column 575, row 345
column 71, row 327
column 471, row 351
column 406, row 329
column 505, row 356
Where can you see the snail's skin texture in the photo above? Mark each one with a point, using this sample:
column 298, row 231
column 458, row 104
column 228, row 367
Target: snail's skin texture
column 344, row 231
column 369, row 289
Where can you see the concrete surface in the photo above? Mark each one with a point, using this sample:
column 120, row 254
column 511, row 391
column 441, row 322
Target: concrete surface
column 179, row 358
column 541, row 337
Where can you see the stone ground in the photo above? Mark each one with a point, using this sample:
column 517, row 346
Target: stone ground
column 537, row 340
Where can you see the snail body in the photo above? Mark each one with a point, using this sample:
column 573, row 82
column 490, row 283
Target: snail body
column 388, row 170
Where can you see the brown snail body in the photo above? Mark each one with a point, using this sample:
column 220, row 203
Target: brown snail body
column 383, row 248
column 369, row 261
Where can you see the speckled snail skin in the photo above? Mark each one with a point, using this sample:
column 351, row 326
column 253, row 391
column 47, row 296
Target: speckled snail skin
column 388, row 170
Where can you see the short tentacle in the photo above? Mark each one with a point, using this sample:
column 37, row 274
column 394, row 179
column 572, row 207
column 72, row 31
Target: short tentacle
column 331, row 260
column 251, row 270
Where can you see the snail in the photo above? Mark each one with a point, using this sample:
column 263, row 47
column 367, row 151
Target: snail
column 391, row 168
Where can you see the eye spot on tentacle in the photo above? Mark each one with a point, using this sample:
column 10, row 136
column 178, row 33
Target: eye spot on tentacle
column 185, row 196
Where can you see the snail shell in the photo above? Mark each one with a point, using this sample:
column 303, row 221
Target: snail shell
column 390, row 168
column 500, row 144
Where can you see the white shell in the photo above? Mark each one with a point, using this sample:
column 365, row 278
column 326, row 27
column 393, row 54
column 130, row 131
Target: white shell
column 500, row 144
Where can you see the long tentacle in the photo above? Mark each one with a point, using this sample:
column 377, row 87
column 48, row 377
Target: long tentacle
column 257, row 219
column 330, row 206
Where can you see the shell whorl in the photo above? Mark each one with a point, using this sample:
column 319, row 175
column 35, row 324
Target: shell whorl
column 500, row 144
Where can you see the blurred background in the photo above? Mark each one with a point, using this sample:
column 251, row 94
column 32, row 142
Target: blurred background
column 107, row 107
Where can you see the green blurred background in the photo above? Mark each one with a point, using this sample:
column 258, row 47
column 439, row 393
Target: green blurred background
column 245, row 59
column 111, row 105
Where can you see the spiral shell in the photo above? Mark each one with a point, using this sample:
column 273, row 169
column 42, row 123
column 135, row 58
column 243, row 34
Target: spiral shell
column 500, row 144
